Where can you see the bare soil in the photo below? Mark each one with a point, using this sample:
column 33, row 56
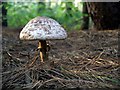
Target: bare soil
column 86, row 59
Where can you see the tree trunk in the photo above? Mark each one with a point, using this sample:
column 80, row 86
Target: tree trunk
column 68, row 6
column 85, row 23
column 4, row 14
column 41, row 6
column 105, row 15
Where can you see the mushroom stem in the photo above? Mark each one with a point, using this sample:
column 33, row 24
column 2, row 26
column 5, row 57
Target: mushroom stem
column 43, row 49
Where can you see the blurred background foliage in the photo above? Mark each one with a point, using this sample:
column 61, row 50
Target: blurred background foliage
column 68, row 14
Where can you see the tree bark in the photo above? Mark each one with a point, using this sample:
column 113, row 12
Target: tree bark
column 41, row 6
column 68, row 8
column 105, row 15
column 4, row 14
column 85, row 23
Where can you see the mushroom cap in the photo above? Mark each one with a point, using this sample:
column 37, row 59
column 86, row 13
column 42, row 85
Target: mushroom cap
column 42, row 28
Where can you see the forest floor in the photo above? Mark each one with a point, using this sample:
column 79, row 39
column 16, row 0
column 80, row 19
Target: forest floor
column 86, row 59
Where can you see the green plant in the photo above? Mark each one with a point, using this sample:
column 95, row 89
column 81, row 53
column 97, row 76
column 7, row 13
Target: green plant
column 65, row 13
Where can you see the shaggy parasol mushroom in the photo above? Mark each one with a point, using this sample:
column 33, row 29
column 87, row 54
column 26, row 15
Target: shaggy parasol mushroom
column 42, row 29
